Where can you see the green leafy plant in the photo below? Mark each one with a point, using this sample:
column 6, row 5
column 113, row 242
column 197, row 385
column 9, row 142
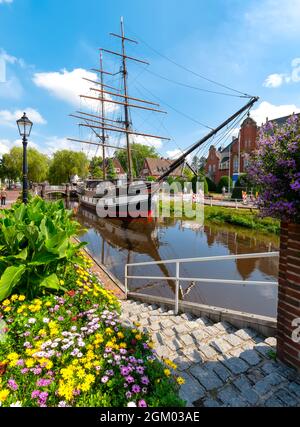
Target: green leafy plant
column 36, row 247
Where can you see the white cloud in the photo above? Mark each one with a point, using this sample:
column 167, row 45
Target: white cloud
column 276, row 80
column 274, row 17
column 9, row 118
column 173, row 154
column 69, row 85
column 270, row 111
column 4, row 146
column 5, row 1
column 150, row 142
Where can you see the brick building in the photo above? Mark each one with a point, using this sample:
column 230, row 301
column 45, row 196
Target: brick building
column 236, row 154
column 156, row 167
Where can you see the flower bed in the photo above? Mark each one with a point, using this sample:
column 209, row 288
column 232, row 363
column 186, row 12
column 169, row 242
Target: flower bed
column 72, row 350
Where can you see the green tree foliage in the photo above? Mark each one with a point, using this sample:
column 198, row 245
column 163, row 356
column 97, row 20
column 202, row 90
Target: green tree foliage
column 65, row 164
column 96, row 167
column 139, row 154
column 12, row 164
column 199, row 179
column 110, row 170
column 224, row 183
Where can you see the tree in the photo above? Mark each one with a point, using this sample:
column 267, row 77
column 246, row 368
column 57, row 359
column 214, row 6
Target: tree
column 224, row 182
column 96, row 167
column 139, row 153
column 110, row 170
column 65, row 164
column 12, row 165
column 211, row 185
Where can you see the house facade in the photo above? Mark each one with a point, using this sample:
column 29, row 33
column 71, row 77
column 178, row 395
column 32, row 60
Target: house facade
column 234, row 158
column 156, row 167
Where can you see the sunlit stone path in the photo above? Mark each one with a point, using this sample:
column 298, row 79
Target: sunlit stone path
column 221, row 365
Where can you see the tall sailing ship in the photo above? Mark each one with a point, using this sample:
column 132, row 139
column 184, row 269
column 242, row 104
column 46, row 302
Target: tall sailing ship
column 119, row 198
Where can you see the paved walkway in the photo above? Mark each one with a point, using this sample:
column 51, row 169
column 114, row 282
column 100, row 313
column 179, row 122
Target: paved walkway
column 222, row 366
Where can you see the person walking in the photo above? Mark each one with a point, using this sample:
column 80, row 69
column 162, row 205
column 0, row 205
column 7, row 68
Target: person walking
column 3, row 197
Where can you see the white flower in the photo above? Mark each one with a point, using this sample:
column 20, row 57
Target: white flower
column 131, row 404
column 18, row 404
column 31, row 320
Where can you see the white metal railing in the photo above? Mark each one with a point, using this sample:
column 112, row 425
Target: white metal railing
column 177, row 277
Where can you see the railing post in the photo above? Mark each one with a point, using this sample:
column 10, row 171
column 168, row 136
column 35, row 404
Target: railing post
column 211, row 199
column 177, row 289
column 126, row 282
column 236, row 204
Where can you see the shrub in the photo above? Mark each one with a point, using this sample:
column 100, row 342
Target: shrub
column 240, row 186
column 198, row 179
column 224, row 183
column 151, row 178
column 211, row 185
column 35, row 247
column 275, row 169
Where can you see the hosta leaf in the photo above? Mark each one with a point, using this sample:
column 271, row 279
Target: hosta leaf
column 51, row 282
column 9, row 280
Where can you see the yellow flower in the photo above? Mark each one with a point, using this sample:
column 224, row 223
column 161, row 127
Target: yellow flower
column 12, row 356
column 48, row 304
column 137, row 324
column 120, row 335
column 7, row 309
column 14, row 297
column 6, row 303
column 4, row 394
column 180, row 381
column 21, row 298
column 62, row 282
column 167, row 372
column 138, row 337
column 123, row 345
column 29, row 363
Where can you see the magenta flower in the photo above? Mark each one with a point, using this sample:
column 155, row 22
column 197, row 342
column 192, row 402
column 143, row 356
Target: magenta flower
column 129, row 379
column 145, row 380
column 136, row 388
column 104, row 379
column 35, row 394
column 12, row 384
column 142, row 404
column 125, row 371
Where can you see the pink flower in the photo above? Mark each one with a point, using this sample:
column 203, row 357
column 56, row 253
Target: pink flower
column 142, row 404
column 12, row 385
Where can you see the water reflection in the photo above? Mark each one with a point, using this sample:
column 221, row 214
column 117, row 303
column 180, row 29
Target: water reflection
column 115, row 243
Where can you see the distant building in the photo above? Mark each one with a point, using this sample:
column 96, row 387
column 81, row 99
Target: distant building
column 236, row 155
column 119, row 171
column 156, row 167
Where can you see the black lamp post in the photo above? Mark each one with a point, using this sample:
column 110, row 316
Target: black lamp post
column 25, row 125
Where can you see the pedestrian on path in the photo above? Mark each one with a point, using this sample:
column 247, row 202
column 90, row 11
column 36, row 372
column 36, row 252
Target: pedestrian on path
column 3, row 197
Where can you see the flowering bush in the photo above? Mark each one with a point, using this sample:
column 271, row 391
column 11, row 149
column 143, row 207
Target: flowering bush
column 72, row 350
column 275, row 168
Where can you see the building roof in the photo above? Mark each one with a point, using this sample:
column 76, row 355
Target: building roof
column 117, row 165
column 282, row 120
column 160, row 166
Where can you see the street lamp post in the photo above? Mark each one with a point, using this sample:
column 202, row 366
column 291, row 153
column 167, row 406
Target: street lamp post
column 25, row 126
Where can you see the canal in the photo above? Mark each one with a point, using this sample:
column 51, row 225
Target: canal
column 114, row 244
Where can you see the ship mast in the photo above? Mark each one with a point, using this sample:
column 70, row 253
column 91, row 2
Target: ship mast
column 126, row 108
column 103, row 117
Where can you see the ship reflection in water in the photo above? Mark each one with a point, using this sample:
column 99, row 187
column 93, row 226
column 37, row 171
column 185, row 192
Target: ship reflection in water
column 115, row 243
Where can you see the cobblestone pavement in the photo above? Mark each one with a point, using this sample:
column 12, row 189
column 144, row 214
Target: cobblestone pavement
column 222, row 366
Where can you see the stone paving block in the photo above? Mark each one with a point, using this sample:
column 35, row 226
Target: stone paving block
column 187, row 316
column 227, row 394
column 242, row 383
column 294, row 388
column 236, row 365
column 211, row 403
column 255, row 375
column 225, row 327
column 191, row 391
column 207, row 378
column 203, row 321
column 159, row 337
column 199, row 335
column 173, row 344
column 286, row 397
column 250, row 396
column 166, row 323
column 177, row 319
column 220, row 370
column 187, row 340
column 273, row 402
column 246, row 333
column 233, row 340
column 212, row 331
column 168, row 332
column 207, row 351
column 155, row 326
column 251, row 357
column 266, row 384
column 193, row 355
column 144, row 315
column 220, row 345
column 271, row 341
column 263, row 349
column 193, row 325
column 180, row 329
column 182, row 362
column 237, row 402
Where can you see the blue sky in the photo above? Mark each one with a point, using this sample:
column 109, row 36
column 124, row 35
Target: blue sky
column 46, row 46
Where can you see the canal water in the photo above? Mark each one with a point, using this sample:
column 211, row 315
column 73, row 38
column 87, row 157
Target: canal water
column 114, row 244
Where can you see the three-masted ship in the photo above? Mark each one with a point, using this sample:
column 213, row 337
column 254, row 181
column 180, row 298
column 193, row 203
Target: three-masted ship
column 131, row 197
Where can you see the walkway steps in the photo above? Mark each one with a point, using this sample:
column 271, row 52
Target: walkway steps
column 222, row 365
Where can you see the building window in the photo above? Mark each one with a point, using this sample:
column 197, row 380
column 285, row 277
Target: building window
column 209, row 168
column 235, row 164
column 214, row 168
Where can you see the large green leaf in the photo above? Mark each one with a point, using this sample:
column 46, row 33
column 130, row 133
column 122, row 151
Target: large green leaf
column 43, row 258
column 9, row 279
column 51, row 282
column 22, row 255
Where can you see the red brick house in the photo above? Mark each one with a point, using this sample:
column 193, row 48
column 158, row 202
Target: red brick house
column 236, row 153
column 156, row 167
column 118, row 168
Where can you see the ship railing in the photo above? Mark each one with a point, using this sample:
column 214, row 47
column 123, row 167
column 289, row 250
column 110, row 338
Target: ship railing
column 178, row 278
